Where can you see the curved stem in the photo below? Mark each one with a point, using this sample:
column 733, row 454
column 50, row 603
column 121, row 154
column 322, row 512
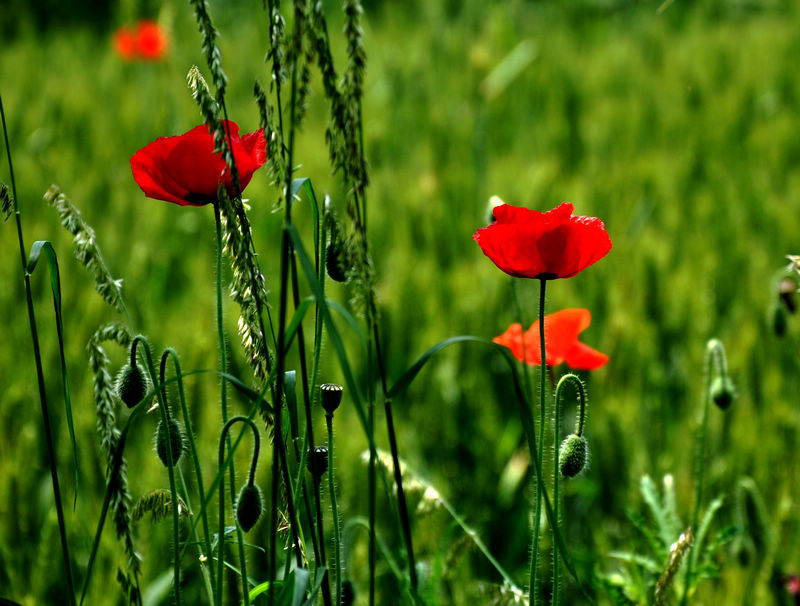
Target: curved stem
column 569, row 378
column 171, row 353
column 224, row 438
column 165, row 418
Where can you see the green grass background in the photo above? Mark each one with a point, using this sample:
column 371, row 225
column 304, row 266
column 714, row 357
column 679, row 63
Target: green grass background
column 679, row 129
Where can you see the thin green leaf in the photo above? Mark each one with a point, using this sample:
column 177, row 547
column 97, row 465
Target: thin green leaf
column 294, row 589
column 652, row 538
column 660, row 514
column 297, row 318
column 706, row 523
column 409, row 375
column 348, row 317
column 290, row 393
column 305, row 183
column 55, row 283
column 312, row 597
column 640, row 560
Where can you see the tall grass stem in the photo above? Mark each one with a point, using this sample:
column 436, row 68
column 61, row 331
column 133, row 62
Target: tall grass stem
column 51, row 455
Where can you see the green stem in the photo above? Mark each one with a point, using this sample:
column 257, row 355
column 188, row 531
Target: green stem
column 699, row 464
column 535, row 581
column 51, row 455
column 207, row 571
column 337, row 556
column 170, row 352
column 569, row 378
column 163, row 410
column 225, row 438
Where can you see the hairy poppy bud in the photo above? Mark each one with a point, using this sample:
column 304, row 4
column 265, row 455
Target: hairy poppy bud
column 572, row 455
column 131, row 385
column 320, row 463
column 331, row 396
column 335, row 261
column 722, row 392
column 176, row 441
column 779, row 320
column 248, row 506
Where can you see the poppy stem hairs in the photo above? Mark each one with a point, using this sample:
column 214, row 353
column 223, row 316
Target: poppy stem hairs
column 534, row 588
column 570, row 460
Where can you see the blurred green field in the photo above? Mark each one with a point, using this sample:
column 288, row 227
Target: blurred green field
column 678, row 129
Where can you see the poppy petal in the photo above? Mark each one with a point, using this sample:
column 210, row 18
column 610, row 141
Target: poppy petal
column 185, row 170
column 555, row 244
column 583, row 357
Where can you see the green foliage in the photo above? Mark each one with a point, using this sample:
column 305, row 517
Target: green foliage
column 650, row 572
column 678, row 128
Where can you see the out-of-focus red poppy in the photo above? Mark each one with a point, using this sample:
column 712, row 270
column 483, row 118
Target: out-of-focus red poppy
column 561, row 331
column 556, row 244
column 125, row 43
column 151, row 41
column 147, row 41
column 185, row 170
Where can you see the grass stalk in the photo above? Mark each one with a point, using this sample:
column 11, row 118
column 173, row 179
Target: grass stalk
column 51, row 455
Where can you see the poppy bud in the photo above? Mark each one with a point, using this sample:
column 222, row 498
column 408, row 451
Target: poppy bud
column 572, row 455
column 779, row 320
column 248, row 506
column 331, row 396
column 334, row 261
column 722, row 392
column 131, row 385
column 176, row 441
column 320, row 463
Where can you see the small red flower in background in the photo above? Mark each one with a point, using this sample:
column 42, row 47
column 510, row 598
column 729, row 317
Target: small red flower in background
column 561, row 331
column 151, row 41
column 148, row 41
column 125, row 43
column 556, row 244
column 185, row 170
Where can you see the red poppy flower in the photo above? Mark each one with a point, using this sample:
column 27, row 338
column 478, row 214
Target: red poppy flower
column 561, row 331
column 151, row 41
column 556, row 244
column 185, row 170
column 125, row 43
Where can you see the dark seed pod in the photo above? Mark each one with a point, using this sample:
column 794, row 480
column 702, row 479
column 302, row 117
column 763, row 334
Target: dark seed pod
column 787, row 291
column 572, row 455
column 779, row 320
column 331, row 396
column 248, row 506
column 334, row 261
column 131, row 385
column 176, row 441
column 722, row 392
column 320, row 462
column 348, row 593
